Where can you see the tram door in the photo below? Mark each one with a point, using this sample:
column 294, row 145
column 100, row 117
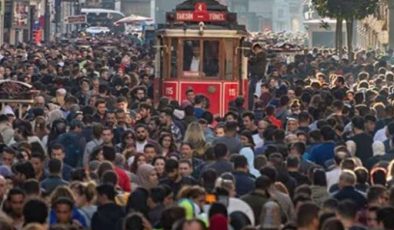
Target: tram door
column 209, row 66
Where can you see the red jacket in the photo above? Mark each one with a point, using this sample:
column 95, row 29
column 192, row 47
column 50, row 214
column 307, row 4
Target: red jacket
column 124, row 180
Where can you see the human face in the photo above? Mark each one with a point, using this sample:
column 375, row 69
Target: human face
column 219, row 132
column 111, row 120
column 192, row 226
column 292, row 125
column 38, row 165
column 107, row 136
column 63, row 213
column 370, row 126
column 7, row 159
column 153, row 179
column 140, row 94
column 248, row 123
column 185, row 169
column 149, row 153
column 16, row 203
column 190, row 96
column 58, row 154
column 144, row 112
column 141, row 134
column 186, row 151
column 302, row 138
column 101, row 108
column 372, row 222
column 141, row 160
column 261, row 127
column 163, row 119
column 122, row 105
column 159, row 166
column 166, row 142
column 121, row 118
column 244, row 140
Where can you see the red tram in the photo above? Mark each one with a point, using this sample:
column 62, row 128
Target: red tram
column 201, row 48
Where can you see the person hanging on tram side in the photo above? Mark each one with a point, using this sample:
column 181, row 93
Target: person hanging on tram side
column 257, row 66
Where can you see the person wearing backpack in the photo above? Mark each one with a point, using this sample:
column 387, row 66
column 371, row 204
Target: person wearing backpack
column 74, row 144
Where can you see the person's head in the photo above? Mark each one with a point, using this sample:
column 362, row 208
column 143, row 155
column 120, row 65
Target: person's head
column 332, row 224
column 135, row 221
column 101, row 106
column 8, row 156
column 23, row 170
column 297, row 149
column 138, row 160
column 166, row 116
column 190, row 95
column 372, row 220
column 35, row 211
column 144, row 109
column 110, row 118
column 122, row 103
column 385, row 218
column 147, row 176
column 107, row 135
column 55, row 167
column 3, row 186
column 347, row 211
column 185, row 168
column 170, row 215
column 319, row 177
column 219, row 130
column 150, row 152
column 230, row 128
column 15, row 199
column 159, row 163
column 63, row 208
column 308, row 216
column 347, row 178
column 141, row 132
column 57, row 152
column 240, row 163
column 186, row 150
column 248, row 120
column 246, row 138
column 85, row 193
column 105, row 193
column 172, row 169
column 292, row 125
column 361, row 174
column 358, row 123
column 221, row 151
column 377, row 195
column 109, row 154
column 327, row 133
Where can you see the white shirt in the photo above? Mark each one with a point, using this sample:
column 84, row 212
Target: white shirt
column 333, row 177
column 194, row 67
column 380, row 135
column 139, row 146
column 258, row 141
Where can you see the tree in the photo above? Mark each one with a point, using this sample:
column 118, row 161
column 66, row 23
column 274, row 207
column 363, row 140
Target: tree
column 348, row 10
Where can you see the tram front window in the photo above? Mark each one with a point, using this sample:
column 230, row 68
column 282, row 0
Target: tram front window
column 211, row 58
column 192, row 56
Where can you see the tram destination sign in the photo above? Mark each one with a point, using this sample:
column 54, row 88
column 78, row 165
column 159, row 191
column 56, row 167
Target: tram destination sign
column 200, row 14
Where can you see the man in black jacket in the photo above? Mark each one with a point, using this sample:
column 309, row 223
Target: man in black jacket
column 108, row 215
column 257, row 66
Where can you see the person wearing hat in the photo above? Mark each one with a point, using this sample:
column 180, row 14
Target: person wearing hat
column 257, row 67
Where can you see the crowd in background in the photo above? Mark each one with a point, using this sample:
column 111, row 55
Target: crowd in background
column 311, row 148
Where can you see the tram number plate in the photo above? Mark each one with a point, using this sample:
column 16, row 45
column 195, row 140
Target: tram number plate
column 199, row 17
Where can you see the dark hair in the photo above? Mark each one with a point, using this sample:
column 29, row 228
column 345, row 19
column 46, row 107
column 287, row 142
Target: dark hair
column 327, row 133
column 358, row 122
column 385, row 216
column 248, row 114
column 220, row 150
column 107, row 190
column 347, row 209
column 240, row 161
column 293, row 161
column 35, row 211
column 170, row 215
column 171, row 165
column 57, row 146
column 217, row 208
column 31, row 187
column 63, row 200
column 306, row 213
column 157, row 194
column 38, row 155
column 361, row 175
column 109, row 153
column 109, row 177
column 55, row 166
column 133, row 221
column 299, row 147
column 319, row 177
column 262, row 182
column 25, row 167
column 332, row 223
column 270, row 172
column 375, row 192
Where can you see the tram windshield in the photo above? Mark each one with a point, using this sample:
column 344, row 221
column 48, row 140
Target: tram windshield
column 201, row 60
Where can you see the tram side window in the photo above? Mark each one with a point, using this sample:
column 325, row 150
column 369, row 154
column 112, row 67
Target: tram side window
column 174, row 56
column 191, row 56
column 211, row 58
column 229, row 55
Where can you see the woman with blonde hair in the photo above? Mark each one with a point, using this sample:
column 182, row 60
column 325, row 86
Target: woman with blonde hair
column 195, row 136
column 85, row 196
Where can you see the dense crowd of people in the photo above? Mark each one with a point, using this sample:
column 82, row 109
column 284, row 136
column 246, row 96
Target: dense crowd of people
column 313, row 150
